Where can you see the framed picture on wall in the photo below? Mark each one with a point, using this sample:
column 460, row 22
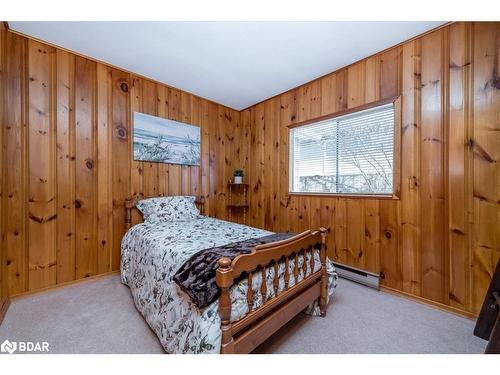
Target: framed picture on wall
column 165, row 141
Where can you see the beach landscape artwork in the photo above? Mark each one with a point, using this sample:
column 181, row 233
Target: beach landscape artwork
column 165, row 141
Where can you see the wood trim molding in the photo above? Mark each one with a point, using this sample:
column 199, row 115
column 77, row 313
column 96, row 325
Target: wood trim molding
column 358, row 108
column 346, row 196
column 62, row 285
column 3, row 309
column 428, row 302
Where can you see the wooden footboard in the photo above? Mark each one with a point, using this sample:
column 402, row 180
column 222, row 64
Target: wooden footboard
column 247, row 333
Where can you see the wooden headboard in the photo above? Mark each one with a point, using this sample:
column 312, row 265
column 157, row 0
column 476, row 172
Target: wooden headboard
column 130, row 204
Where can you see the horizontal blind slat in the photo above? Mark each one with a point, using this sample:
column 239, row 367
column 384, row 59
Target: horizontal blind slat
column 347, row 154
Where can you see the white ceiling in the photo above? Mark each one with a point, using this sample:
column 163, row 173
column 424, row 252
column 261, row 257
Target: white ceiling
column 236, row 64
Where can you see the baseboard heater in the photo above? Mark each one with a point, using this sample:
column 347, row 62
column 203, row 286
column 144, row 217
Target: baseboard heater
column 354, row 274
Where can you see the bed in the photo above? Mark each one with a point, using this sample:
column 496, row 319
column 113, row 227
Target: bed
column 298, row 277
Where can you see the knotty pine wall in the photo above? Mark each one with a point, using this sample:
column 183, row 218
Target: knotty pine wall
column 67, row 165
column 441, row 240
column 3, row 279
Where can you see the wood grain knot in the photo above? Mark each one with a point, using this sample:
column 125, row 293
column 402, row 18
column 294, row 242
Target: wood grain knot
column 121, row 132
column 78, row 204
column 89, row 163
column 388, row 234
column 495, row 83
column 124, row 86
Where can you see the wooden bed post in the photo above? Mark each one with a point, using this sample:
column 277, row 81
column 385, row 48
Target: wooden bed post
column 324, row 276
column 224, row 280
column 129, row 204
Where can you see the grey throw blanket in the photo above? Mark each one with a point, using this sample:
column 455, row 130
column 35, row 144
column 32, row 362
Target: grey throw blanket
column 196, row 277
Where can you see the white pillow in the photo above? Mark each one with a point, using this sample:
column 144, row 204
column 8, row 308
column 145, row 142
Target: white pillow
column 173, row 208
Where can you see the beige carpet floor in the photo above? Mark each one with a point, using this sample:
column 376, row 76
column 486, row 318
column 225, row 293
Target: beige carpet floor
column 99, row 316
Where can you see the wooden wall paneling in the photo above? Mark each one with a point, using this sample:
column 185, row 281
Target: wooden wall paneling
column 242, row 139
column 104, row 167
column 174, row 170
column 121, row 145
column 213, row 118
column 85, row 162
column 137, row 167
column 372, row 79
column 42, row 180
column 149, row 170
column 4, row 293
column 268, row 168
column 485, row 145
column 185, row 179
column 390, row 73
column 389, row 210
column 410, row 169
column 220, row 163
column 206, row 158
column 328, row 222
column 271, row 161
column 356, row 85
column 304, row 103
column 315, row 213
column 70, row 167
column 445, row 118
column 65, row 168
column 162, row 111
column 432, row 196
column 257, row 186
column 185, row 118
column 315, row 107
column 283, row 183
column 354, row 232
column 458, row 156
column 341, row 78
column 328, row 94
column 371, row 236
column 340, row 233
column 288, row 115
column 15, row 174
column 195, row 178
column 228, row 122
column 303, row 212
column 233, row 137
column 249, row 117
column 390, row 257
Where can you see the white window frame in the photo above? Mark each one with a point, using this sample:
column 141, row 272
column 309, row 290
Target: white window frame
column 396, row 184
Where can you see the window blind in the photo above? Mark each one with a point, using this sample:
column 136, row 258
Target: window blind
column 350, row 154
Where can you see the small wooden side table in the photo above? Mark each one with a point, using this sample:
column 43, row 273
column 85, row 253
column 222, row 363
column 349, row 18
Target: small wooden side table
column 238, row 200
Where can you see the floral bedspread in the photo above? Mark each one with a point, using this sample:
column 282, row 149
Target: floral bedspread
column 151, row 255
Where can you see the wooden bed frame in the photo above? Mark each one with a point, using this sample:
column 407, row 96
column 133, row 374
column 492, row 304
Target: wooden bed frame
column 244, row 335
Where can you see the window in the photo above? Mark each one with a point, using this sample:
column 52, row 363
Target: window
column 349, row 154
